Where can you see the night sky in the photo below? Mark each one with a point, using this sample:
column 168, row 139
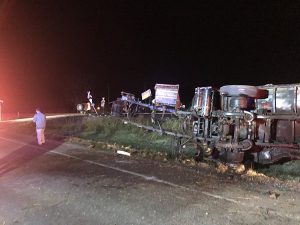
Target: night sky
column 52, row 52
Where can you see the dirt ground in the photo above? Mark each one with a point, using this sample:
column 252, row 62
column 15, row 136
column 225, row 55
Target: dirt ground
column 69, row 183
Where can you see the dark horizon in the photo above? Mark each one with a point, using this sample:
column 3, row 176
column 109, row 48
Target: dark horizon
column 53, row 52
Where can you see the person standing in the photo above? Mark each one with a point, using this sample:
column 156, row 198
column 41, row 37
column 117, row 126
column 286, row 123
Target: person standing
column 90, row 98
column 40, row 121
column 102, row 106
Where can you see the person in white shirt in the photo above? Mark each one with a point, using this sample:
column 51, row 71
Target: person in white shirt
column 90, row 98
column 102, row 106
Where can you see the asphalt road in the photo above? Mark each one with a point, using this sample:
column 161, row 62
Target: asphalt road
column 65, row 183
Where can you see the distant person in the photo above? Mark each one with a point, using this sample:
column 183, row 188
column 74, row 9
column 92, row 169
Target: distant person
column 90, row 98
column 102, row 104
column 40, row 121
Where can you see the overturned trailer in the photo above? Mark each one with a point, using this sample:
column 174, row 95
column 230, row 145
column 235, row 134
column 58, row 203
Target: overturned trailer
column 236, row 122
column 245, row 122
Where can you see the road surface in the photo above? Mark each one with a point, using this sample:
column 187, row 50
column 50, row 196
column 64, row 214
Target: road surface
column 66, row 183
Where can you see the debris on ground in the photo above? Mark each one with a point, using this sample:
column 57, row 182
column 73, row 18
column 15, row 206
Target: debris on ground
column 253, row 173
column 91, row 146
column 203, row 165
column 120, row 152
column 187, row 161
column 273, row 194
column 240, row 169
column 221, row 168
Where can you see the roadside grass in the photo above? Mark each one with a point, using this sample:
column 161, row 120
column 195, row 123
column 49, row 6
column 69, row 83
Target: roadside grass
column 114, row 130
column 169, row 123
column 65, row 126
column 287, row 171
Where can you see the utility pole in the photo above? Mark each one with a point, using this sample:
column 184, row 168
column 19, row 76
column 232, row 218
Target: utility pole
column 108, row 92
column 1, row 102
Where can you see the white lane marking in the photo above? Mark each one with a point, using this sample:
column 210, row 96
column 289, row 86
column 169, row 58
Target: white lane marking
column 148, row 178
column 152, row 178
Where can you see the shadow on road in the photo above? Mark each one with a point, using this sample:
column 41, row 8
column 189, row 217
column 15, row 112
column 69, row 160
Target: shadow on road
column 25, row 154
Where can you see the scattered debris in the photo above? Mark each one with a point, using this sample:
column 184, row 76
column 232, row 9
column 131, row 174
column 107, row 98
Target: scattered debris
column 127, row 147
column 190, row 162
column 240, row 169
column 253, row 173
column 273, row 194
column 113, row 146
column 123, row 153
column 221, row 168
column 186, row 161
column 203, row 165
column 92, row 146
